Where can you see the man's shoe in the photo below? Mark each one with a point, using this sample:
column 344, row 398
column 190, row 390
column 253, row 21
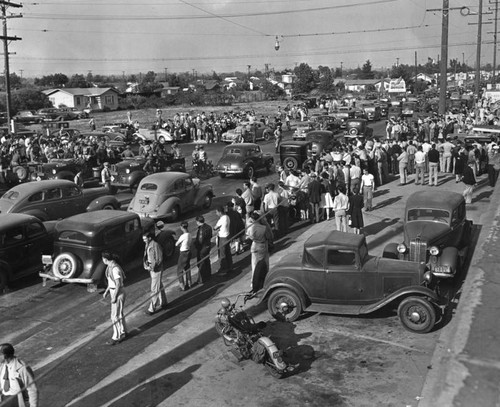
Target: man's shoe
column 112, row 342
column 148, row 312
column 164, row 306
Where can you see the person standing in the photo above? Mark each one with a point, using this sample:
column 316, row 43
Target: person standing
column 248, row 197
column 314, row 188
column 152, row 262
column 236, row 227
column 257, row 193
column 260, row 235
column 493, row 164
column 92, row 124
column 106, row 176
column 340, row 207
column 403, row 167
column 184, row 261
column 448, row 147
column 355, row 174
column 367, row 186
column 223, row 241
column 419, row 166
column 115, row 276
column 433, row 157
column 270, row 206
column 17, row 381
column 202, row 245
column 355, row 211
column 469, row 180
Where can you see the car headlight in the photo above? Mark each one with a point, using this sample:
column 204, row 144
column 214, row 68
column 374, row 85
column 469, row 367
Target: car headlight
column 401, row 248
column 427, row 276
column 127, row 171
column 54, row 171
column 434, row 250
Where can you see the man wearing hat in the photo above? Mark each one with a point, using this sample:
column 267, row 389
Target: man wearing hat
column 106, row 176
column 314, row 189
column 17, row 381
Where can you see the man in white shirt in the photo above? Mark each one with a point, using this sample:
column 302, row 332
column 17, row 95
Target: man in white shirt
column 292, row 180
column 420, row 158
column 355, row 174
column 184, row 262
column 223, row 240
column 340, row 207
column 367, row 186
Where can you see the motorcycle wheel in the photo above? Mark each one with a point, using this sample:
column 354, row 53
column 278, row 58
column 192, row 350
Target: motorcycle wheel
column 269, row 365
column 219, row 327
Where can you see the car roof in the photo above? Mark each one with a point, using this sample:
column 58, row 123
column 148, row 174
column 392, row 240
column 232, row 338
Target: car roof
column 242, row 145
column 165, row 177
column 346, row 240
column 94, row 221
column 295, row 143
column 8, row 220
column 446, row 200
column 320, row 132
column 30, row 187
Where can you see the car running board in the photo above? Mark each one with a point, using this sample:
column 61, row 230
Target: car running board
column 338, row 309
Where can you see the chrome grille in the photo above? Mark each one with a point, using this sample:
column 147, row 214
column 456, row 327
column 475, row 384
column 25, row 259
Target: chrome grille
column 418, row 251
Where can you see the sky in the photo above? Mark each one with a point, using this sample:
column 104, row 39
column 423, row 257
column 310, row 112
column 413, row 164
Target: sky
column 124, row 37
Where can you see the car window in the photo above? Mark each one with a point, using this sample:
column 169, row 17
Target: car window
column 52, row 194
column 13, row 236
column 72, row 236
column 179, row 185
column 149, row 187
column 114, row 233
column 235, row 151
column 188, row 183
column 437, row 215
column 34, row 229
column 69, row 192
column 36, row 197
column 458, row 214
column 12, row 195
column 341, row 258
column 132, row 225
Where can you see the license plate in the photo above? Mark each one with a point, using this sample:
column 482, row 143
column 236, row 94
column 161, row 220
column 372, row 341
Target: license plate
column 46, row 259
column 144, row 201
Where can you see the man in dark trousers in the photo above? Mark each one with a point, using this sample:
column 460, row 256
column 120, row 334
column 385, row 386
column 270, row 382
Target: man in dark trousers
column 202, row 245
column 314, row 189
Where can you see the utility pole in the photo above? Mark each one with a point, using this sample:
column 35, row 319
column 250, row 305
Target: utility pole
column 21, row 70
column 166, row 69
column 416, row 74
column 341, row 63
column 249, row 66
column 478, row 52
column 443, row 73
column 4, row 5
column 397, row 62
column 493, row 80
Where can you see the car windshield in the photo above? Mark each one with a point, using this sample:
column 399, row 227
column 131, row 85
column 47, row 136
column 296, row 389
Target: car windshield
column 72, row 236
column 147, row 186
column 12, row 195
column 436, row 215
column 355, row 124
column 232, row 151
column 369, row 109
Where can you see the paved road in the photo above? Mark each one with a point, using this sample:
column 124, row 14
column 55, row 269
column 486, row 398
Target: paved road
column 176, row 358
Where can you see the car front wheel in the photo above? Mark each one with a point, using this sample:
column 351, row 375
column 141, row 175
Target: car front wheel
column 417, row 315
column 174, row 213
column 207, row 201
column 249, row 172
column 284, row 305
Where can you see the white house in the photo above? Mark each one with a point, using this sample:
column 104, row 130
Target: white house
column 84, row 98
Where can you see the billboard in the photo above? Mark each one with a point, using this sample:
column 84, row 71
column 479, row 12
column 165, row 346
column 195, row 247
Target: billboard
column 397, row 86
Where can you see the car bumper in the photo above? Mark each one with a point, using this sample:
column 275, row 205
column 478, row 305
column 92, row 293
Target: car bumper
column 48, row 275
column 229, row 171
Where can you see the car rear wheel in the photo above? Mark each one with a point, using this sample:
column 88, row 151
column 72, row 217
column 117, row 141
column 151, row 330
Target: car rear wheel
column 175, row 212
column 108, row 207
column 207, row 201
column 290, row 163
column 284, row 305
column 267, row 136
column 417, row 314
column 161, row 139
column 249, row 172
column 66, row 265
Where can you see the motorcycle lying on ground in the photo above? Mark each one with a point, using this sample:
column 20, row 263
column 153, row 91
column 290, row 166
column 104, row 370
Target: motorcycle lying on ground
column 240, row 332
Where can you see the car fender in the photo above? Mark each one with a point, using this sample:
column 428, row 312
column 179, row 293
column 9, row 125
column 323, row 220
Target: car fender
column 167, row 206
column 37, row 213
column 449, row 257
column 391, row 251
column 68, row 175
column 136, row 176
column 401, row 294
column 101, row 202
column 200, row 196
column 4, row 266
column 289, row 284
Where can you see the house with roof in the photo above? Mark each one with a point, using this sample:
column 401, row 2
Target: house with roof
column 361, row 85
column 84, row 98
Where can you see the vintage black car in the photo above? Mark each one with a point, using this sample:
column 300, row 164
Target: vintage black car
column 436, row 232
column 335, row 274
column 343, row 114
column 80, row 240
column 23, row 241
column 28, row 117
column 325, row 122
column 322, row 140
column 243, row 159
column 65, row 168
column 129, row 172
column 294, row 153
column 373, row 112
column 358, row 128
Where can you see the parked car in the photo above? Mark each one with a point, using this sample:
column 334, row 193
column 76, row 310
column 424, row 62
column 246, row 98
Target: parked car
column 293, row 154
column 23, row 240
column 64, row 168
column 358, row 128
column 322, row 140
column 409, row 108
column 51, row 114
column 325, row 122
column 28, row 117
column 129, row 172
column 373, row 112
column 343, row 114
column 55, row 199
column 335, row 274
column 166, row 195
column 161, row 135
column 247, row 131
column 302, row 129
column 73, row 113
column 243, row 159
column 80, row 240
column 436, row 232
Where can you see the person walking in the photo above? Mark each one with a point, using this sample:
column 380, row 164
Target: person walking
column 17, row 380
column 184, row 261
column 355, row 211
column 469, row 180
column 260, row 235
column 367, row 186
column 202, row 245
column 433, row 157
column 340, row 207
column 223, row 241
column 115, row 278
column 152, row 262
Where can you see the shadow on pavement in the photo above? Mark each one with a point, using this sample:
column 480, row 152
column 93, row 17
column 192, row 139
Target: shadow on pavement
column 387, row 202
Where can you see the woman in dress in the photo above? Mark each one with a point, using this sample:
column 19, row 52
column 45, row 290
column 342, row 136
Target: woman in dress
column 355, row 212
column 326, row 197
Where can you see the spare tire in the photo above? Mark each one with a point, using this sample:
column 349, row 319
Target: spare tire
column 66, row 265
column 21, row 172
column 290, row 163
column 353, row 131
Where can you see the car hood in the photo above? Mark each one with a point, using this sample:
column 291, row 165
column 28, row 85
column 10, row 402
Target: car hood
column 427, row 231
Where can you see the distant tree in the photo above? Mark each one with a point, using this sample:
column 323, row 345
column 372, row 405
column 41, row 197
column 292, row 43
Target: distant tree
column 403, row 71
column 325, row 79
column 272, row 90
column 78, row 81
column 216, row 77
column 366, row 71
column 306, row 79
column 56, row 80
column 29, row 99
